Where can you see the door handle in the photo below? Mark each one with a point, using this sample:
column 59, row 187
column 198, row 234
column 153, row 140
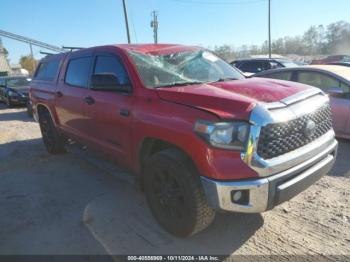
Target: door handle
column 89, row 100
column 59, row 94
column 124, row 112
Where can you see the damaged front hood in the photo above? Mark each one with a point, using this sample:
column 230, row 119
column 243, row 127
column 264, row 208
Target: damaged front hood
column 232, row 99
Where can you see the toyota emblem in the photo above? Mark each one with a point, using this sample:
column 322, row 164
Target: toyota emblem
column 310, row 128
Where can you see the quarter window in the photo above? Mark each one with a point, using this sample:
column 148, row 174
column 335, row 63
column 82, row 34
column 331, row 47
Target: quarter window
column 78, row 71
column 111, row 65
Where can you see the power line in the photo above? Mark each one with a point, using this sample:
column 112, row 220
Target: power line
column 133, row 25
column 218, row 2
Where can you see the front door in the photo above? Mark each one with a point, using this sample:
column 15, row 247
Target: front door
column 110, row 115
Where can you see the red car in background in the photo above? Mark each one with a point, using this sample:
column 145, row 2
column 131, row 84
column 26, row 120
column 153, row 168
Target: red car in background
column 331, row 59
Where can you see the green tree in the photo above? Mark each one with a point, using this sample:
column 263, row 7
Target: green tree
column 277, row 46
column 338, row 38
column 28, row 62
column 313, row 40
column 225, row 52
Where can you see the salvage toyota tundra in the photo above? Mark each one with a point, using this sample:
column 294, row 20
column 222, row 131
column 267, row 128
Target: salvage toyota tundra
column 198, row 136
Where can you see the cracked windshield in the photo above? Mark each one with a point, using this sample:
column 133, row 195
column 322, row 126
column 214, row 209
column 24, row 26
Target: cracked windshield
column 182, row 68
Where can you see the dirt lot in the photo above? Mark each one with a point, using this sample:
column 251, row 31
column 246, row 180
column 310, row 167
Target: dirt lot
column 78, row 203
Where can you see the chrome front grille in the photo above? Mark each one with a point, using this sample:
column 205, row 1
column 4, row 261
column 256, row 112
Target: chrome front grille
column 280, row 138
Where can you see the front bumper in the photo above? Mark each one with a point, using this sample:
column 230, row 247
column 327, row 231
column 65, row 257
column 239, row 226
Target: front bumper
column 19, row 100
column 264, row 193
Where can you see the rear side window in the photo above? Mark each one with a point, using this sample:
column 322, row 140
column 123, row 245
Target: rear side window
column 112, row 65
column 78, row 71
column 281, row 76
column 47, row 70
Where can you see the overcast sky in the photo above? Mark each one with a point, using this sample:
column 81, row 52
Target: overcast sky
column 197, row 22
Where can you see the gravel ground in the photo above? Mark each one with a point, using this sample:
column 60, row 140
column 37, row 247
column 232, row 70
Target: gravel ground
column 78, row 203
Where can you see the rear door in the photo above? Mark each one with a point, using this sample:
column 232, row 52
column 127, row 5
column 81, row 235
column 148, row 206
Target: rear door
column 339, row 104
column 109, row 116
column 73, row 95
column 44, row 85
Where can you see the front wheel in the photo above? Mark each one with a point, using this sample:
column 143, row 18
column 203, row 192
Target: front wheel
column 175, row 195
column 52, row 140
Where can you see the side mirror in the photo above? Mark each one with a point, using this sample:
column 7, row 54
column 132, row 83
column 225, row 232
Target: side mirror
column 108, row 82
column 335, row 91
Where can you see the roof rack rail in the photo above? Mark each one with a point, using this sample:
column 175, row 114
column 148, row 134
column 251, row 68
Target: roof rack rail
column 46, row 53
column 72, row 47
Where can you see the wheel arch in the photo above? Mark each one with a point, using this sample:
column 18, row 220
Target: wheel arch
column 150, row 146
column 40, row 107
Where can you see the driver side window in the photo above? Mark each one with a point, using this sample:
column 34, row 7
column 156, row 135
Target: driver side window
column 110, row 64
column 319, row 80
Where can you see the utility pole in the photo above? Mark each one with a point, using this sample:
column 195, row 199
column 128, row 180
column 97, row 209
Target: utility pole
column 269, row 28
column 126, row 22
column 32, row 56
column 154, row 25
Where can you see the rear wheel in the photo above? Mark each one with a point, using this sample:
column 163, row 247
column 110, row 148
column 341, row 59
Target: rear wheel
column 175, row 195
column 52, row 140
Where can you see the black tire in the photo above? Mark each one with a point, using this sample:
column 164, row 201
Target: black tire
column 54, row 143
column 175, row 195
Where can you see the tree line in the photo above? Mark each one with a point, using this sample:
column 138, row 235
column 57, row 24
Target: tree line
column 316, row 41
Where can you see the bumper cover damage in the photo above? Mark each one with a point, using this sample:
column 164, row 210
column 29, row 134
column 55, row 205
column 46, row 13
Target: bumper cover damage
column 265, row 193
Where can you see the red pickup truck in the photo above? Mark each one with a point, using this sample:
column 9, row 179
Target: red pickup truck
column 197, row 135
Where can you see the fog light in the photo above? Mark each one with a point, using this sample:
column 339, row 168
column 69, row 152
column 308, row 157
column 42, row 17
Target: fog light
column 240, row 197
column 237, row 196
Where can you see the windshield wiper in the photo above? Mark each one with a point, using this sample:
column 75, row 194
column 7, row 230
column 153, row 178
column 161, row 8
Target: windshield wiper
column 181, row 84
column 225, row 79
